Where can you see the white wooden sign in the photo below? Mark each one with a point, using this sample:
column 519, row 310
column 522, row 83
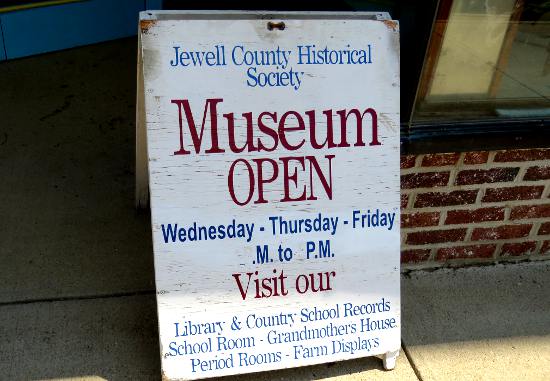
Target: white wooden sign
column 273, row 163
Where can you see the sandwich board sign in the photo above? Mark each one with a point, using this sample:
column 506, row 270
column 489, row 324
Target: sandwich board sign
column 272, row 149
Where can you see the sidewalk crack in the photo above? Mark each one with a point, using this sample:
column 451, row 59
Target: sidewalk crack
column 411, row 361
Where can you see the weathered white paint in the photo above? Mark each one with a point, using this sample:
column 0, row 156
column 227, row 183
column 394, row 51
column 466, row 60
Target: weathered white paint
column 195, row 281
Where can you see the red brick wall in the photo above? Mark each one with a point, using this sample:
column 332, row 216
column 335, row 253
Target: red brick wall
column 473, row 207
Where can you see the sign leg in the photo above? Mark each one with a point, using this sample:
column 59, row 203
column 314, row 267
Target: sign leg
column 389, row 359
column 142, row 174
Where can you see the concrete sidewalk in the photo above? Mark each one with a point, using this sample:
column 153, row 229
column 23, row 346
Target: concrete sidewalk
column 77, row 283
column 488, row 323
column 484, row 323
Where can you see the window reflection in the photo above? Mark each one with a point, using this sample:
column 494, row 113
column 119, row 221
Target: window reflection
column 487, row 59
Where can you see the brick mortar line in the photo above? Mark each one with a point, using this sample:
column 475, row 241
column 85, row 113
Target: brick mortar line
column 412, row 170
column 420, row 266
column 412, row 199
column 546, row 191
column 523, row 165
column 507, row 213
column 535, row 229
column 540, row 257
column 498, row 250
column 461, row 158
column 534, row 202
column 442, row 218
column 475, row 260
column 513, row 258
column 496, row 257
column 521, row 173
column 530, row 257
column 499, row 184
column 516, row 258
column 480, row 224
column 480, row 195
column 433, row 253
column 483, row 205
column 538, row 247
column 469, row 231
column 452, row 176
column 518, row 202
column 442, row 245
column 460, row 163
column 460, row 262
column 488, row 163
column 416, row 161
column 456, row 262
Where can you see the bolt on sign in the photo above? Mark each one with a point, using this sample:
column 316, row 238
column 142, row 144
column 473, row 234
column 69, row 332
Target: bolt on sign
column 273, row 164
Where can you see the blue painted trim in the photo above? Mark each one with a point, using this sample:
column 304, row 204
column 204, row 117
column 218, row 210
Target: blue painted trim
column 2, row 47
column 46, row 29
column 151, row 5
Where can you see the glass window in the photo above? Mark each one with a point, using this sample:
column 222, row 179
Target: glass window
column 486, row 59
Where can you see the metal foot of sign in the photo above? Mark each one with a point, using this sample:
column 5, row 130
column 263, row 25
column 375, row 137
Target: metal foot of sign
column 269, row 143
